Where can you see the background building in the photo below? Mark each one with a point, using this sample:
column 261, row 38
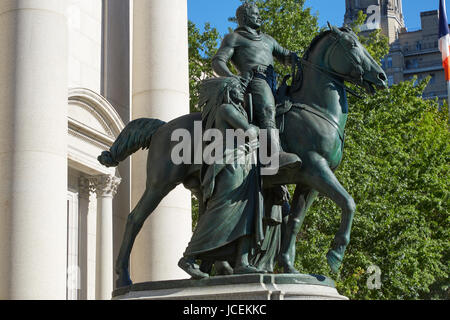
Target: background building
column 386, row 15
column 412, row 53
column 73, row 73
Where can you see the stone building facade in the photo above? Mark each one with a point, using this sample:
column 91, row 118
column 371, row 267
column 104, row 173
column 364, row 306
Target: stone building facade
column 386, row 15
column 412, row 53
column 73, row 73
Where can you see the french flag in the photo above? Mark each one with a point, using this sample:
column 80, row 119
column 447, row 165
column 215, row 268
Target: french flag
column 444, row 39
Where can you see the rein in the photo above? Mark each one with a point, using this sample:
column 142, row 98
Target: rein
column 330, row 73
column 318, row 113
column 334, row 76
column 323, row 116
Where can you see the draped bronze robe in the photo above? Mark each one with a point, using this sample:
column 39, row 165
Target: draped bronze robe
column 233, row 205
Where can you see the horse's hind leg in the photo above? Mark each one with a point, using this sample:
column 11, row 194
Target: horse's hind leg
column 146, row 205
column 301, row 202
column 322, row 179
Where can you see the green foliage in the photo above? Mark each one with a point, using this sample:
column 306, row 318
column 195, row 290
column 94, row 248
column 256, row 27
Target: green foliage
column 202, row 47
column 376, row 43
column 396, row 166
column 194, row 212
column 290, row 23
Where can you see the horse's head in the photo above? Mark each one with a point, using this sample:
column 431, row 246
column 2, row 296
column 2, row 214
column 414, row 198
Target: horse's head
column 349, row 58
column 341, row 55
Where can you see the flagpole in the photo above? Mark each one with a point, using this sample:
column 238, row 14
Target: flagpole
column 444, row 47
column 448, row 100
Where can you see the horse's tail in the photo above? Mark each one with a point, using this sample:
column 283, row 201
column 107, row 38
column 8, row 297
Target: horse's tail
column 136, row 135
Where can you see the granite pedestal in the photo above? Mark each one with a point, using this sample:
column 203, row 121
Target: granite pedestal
column 235, row 287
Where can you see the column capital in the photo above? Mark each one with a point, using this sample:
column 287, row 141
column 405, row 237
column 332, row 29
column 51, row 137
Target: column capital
column 84, row 187
column 106, row 185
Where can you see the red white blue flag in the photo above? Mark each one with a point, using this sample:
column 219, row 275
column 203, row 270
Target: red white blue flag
column 444, row 39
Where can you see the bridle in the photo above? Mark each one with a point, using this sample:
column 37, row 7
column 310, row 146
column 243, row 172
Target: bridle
column 335, row 76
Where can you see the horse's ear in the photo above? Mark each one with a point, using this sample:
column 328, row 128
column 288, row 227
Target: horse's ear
column 334, row 29
column 329, row 25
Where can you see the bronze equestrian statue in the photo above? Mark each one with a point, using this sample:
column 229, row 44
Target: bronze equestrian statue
column 313, row 116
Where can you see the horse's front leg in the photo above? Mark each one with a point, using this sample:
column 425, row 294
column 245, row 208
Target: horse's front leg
column 322, row 179
column 302, row 200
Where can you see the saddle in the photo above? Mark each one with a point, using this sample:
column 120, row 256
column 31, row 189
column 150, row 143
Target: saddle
column 281, row 109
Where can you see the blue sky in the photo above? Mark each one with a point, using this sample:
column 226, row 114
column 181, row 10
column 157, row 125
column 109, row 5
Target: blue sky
column 217, row 12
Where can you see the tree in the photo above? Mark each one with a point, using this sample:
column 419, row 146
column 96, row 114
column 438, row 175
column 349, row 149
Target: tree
column 202, row 47
column 376, row 43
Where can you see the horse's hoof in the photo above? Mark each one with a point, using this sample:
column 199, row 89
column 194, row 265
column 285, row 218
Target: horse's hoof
column 192, row 269
column 290, row 269
column 287, row 266
column 334, row 260
column 123, row 281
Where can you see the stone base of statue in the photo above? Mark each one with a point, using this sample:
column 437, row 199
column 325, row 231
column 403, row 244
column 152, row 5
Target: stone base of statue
column 235, row 287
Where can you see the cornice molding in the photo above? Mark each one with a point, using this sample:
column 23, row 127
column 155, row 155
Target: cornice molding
column 100, row 109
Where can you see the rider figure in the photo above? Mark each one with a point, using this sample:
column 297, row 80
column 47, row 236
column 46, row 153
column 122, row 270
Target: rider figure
column 252, row 52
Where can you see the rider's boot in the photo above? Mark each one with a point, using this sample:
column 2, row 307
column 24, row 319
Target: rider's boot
column 286, row 160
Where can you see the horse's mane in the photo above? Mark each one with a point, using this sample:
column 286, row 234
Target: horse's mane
column 298, row 81
column 314, row 42
column 319, row 37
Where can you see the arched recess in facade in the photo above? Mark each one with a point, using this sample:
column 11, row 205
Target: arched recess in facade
column 93, row 126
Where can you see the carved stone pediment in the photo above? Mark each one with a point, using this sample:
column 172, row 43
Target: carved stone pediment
column 93, row 125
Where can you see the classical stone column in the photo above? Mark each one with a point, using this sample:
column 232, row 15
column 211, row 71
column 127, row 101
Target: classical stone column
column 105, row 188
column 84, row 188
column 116, row 82
column 160, row 90
column 33, row 143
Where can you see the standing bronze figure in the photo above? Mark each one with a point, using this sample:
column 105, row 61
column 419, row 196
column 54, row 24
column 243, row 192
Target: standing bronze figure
column 231, row 222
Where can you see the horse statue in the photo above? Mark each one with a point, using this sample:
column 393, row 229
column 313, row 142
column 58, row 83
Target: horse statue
column 313, row 118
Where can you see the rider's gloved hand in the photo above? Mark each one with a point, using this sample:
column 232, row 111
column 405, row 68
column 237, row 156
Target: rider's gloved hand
column 293, row 58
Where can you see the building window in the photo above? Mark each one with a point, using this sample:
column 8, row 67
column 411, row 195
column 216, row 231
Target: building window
column 390, row 80
column 406, row 47
column 418, row 46
column 412, row 64
column 432, row 79
column 389, row 62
